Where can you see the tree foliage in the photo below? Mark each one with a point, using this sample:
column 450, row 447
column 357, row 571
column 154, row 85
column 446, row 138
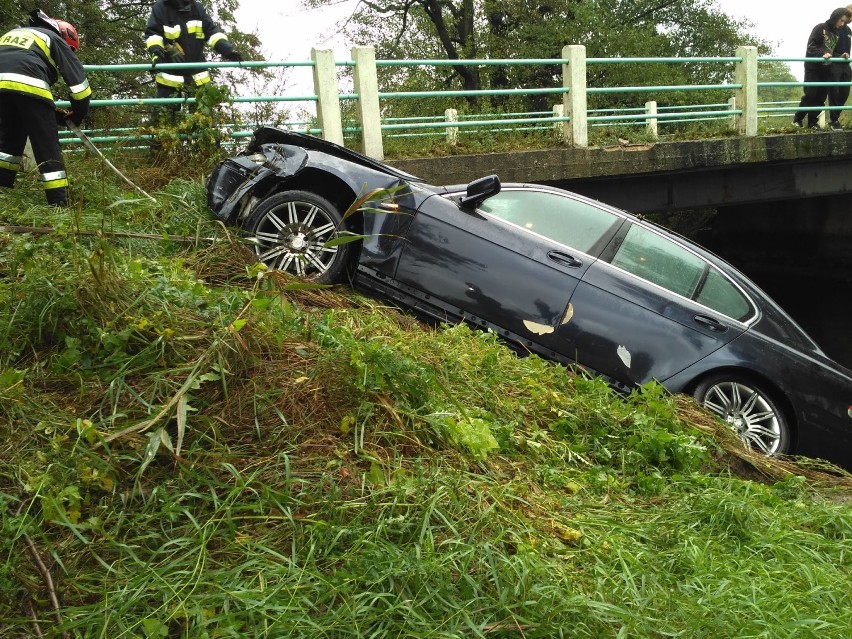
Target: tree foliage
column 517, row 29
column 112, row 32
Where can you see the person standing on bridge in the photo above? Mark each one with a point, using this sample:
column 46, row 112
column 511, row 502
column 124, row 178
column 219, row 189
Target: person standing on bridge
column 821, row 43
column 840, row 71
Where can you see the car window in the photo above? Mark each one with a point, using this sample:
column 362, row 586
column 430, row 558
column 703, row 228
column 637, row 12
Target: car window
column 562, row 219
column 658, row 260
column 721, row 295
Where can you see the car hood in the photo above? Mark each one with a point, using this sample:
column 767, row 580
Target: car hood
column 268, row 134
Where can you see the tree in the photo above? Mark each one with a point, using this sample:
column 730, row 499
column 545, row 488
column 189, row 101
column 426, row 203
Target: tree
column 518, row 29
column 112, row 32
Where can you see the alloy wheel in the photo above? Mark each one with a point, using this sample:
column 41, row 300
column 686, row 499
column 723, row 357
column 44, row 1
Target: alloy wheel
column 749, row 411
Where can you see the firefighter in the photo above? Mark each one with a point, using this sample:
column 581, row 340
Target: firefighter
column 177, row 31
column 31, row 59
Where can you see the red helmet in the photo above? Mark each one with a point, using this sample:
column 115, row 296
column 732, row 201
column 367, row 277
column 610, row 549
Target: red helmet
column 39, row 18
column 67, row 31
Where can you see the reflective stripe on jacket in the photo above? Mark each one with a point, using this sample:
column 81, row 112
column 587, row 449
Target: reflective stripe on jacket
column 186, row 32
column 33, row 58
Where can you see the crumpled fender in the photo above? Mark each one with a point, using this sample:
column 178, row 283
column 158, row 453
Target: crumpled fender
column 252, row 177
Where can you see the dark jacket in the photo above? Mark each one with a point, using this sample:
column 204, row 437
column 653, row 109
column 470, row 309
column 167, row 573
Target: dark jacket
column 844, row 42
column 31, row 61
column 841, row 70
column 824, row 37
column 177, row 31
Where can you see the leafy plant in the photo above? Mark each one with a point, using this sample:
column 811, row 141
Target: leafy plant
column 197, row 131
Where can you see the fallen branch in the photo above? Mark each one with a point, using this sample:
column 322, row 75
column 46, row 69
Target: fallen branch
column 191, row 380
column 45, row 575
column 33, row 614
column 47, row 230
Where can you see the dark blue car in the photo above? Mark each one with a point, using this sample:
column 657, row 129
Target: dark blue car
column 553, row 273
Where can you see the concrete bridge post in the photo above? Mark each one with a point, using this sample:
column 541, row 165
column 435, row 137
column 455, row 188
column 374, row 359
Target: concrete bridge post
column 575, row 103
column 559, row 126
column 328, row 99
column 746, row 96
column 367, row 104
column 651, row 122
column 451, row 115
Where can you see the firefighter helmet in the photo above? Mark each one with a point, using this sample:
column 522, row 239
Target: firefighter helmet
column 67, row 31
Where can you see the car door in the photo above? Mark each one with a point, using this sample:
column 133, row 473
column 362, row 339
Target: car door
column 651, row 308
column 513, row 263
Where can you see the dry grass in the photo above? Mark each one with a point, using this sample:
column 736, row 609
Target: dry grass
column 749, row 464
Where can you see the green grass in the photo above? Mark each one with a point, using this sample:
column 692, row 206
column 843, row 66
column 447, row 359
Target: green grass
column 195, row 448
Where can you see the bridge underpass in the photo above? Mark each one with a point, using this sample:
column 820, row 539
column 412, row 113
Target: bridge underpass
column 777, row 207
column 800, row 252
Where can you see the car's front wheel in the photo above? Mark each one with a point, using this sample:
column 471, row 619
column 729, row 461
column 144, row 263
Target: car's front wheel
column 749, row 408
column 291, row 232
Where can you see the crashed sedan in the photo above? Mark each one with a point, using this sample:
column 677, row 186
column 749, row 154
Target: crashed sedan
column 553, row 273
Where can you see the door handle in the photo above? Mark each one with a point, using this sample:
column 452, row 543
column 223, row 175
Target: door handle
column 712, row 324
column 564, row 259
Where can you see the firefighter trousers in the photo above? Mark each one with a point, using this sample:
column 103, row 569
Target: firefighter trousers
column 23, row 117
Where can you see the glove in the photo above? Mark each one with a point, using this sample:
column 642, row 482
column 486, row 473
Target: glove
column 233, row 56
column 158, row 55
column 61, row 116
column 174, row 54
column 76, row 119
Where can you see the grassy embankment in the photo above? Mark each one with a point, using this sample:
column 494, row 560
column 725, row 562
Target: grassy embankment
column 191, row 447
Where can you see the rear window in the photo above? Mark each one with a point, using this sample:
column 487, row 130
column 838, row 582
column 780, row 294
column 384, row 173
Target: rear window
column 657, row 259
column 719, row 294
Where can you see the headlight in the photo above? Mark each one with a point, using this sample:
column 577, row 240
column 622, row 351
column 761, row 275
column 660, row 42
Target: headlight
column 257, row 158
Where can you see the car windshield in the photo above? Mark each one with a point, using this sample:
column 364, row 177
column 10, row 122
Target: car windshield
column 559, row 218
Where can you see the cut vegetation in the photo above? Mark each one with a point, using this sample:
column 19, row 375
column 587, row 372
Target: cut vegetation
column 192, row 446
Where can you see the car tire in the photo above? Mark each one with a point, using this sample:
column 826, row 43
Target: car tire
column 749, row 408
column 289, row 231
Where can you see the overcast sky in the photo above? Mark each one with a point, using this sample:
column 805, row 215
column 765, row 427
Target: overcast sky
column 786, row 30
column 288, row 33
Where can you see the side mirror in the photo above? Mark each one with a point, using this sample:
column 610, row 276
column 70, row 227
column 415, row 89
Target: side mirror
column 480, row 190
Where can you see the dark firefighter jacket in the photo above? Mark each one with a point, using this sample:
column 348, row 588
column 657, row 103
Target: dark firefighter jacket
column 174, row 35
column 31, row 60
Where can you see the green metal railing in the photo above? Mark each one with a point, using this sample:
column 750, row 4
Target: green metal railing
column 663, row 114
